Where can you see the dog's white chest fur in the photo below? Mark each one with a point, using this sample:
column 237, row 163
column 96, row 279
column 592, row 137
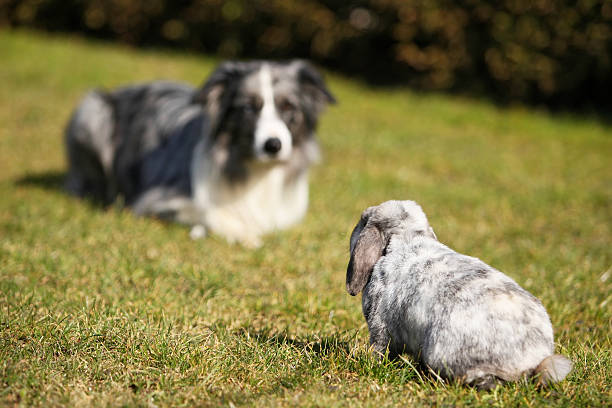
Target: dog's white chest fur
column 244, row 211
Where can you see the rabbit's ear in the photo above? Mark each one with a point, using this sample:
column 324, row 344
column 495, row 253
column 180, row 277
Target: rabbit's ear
column 367, row 251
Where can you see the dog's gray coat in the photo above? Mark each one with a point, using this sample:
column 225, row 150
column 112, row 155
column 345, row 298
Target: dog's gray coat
column 180, row 153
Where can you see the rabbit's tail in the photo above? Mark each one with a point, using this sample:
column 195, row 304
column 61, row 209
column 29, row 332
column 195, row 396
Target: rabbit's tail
column 553, row 369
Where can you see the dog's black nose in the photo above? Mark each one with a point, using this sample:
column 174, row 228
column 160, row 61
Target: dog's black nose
column 272, row 145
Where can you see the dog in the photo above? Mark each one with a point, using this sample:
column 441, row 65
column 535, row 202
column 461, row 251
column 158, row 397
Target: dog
column 231, row 157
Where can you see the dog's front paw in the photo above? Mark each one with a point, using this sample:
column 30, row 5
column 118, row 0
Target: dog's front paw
column 251, row 242
column 197, row 232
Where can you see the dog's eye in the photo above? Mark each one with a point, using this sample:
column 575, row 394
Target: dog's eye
column 286, row 106
column 256, row 104
column 251, row 106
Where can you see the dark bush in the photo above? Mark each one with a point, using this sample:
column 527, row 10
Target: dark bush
column 557, row 53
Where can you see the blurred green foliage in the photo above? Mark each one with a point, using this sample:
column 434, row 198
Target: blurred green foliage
column 553, row 52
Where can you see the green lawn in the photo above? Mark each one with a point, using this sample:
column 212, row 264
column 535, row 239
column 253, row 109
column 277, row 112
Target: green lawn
column 99, row 308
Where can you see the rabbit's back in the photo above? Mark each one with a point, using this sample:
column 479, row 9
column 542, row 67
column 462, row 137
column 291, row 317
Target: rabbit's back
column 456, row 312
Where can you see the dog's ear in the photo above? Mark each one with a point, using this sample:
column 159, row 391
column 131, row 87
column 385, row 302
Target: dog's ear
column 365, row 253
column 217, row 89
column 313, row 86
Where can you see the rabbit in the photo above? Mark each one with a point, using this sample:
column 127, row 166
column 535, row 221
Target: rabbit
column 455, row 314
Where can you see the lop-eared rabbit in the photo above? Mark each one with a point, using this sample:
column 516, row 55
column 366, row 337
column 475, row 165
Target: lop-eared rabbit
column 455, row 314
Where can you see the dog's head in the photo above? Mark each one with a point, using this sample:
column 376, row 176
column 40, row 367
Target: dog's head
column 373, row 232
column 264, row 110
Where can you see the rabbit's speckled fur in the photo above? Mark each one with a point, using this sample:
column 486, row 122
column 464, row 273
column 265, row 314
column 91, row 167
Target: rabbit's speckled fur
column 454, row 313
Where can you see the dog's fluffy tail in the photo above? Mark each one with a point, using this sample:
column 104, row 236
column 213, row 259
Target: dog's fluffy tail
column 553, row 369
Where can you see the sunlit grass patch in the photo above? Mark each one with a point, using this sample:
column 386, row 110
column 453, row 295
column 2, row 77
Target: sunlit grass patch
column 98, row 307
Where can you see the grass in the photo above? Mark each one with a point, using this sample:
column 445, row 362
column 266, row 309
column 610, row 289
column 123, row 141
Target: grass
column 101, row 308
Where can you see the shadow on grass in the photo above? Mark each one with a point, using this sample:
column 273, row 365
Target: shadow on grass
column 334, row 363
column 321, row 346
column 342, row 343
column 53, row 181
column 395, row 369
